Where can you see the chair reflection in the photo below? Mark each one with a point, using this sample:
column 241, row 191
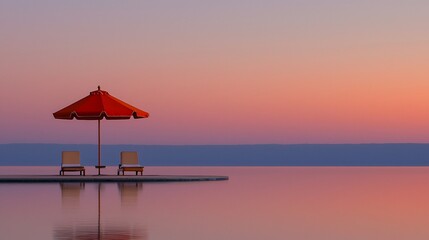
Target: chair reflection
column 129, row 192
column 96, row 230
column 70, row 193
column 116, row 232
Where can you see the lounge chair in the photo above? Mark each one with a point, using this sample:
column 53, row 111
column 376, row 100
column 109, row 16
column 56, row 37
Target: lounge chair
column 130, row 162
column 71, row 162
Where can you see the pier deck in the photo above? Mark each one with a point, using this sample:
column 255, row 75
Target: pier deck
column 107, row 178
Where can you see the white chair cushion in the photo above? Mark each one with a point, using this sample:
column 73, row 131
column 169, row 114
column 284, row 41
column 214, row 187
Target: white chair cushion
column 131, row 165
column 71, row 165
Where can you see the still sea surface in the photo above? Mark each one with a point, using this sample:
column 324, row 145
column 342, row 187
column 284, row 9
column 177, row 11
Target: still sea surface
column 255, row 203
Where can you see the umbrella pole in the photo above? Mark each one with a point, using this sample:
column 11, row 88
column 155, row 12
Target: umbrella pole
column 99, row 149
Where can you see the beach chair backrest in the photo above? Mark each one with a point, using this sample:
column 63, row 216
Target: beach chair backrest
column 129, row 158
column 71, row 157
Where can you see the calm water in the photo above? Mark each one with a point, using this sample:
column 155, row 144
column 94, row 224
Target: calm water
column 256, row 203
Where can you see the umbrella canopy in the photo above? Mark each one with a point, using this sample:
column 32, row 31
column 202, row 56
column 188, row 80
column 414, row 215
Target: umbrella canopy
column 96, row 106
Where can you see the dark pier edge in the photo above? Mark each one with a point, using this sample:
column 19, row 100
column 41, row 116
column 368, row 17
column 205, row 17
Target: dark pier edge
column 74, row 178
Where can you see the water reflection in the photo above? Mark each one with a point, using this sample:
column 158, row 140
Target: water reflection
column 101, row 228
column 129, row 193
column 275, row 203
column 70, row 194
column 90, row 232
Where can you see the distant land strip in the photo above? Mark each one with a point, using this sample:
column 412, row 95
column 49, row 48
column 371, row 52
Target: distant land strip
column 401, row 154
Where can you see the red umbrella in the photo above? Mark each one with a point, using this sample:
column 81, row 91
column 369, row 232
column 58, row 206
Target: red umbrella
column 96, row 106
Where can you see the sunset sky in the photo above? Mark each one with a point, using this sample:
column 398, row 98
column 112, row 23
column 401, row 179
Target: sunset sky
column 218, row 72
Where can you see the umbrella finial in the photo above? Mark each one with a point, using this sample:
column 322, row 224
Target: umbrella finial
column 98, row 87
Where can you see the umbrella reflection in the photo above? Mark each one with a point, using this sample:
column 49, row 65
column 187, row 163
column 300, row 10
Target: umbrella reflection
column 86, row 230
column 130, row 192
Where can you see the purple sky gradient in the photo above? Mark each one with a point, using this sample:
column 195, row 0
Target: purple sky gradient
column 218, row 72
